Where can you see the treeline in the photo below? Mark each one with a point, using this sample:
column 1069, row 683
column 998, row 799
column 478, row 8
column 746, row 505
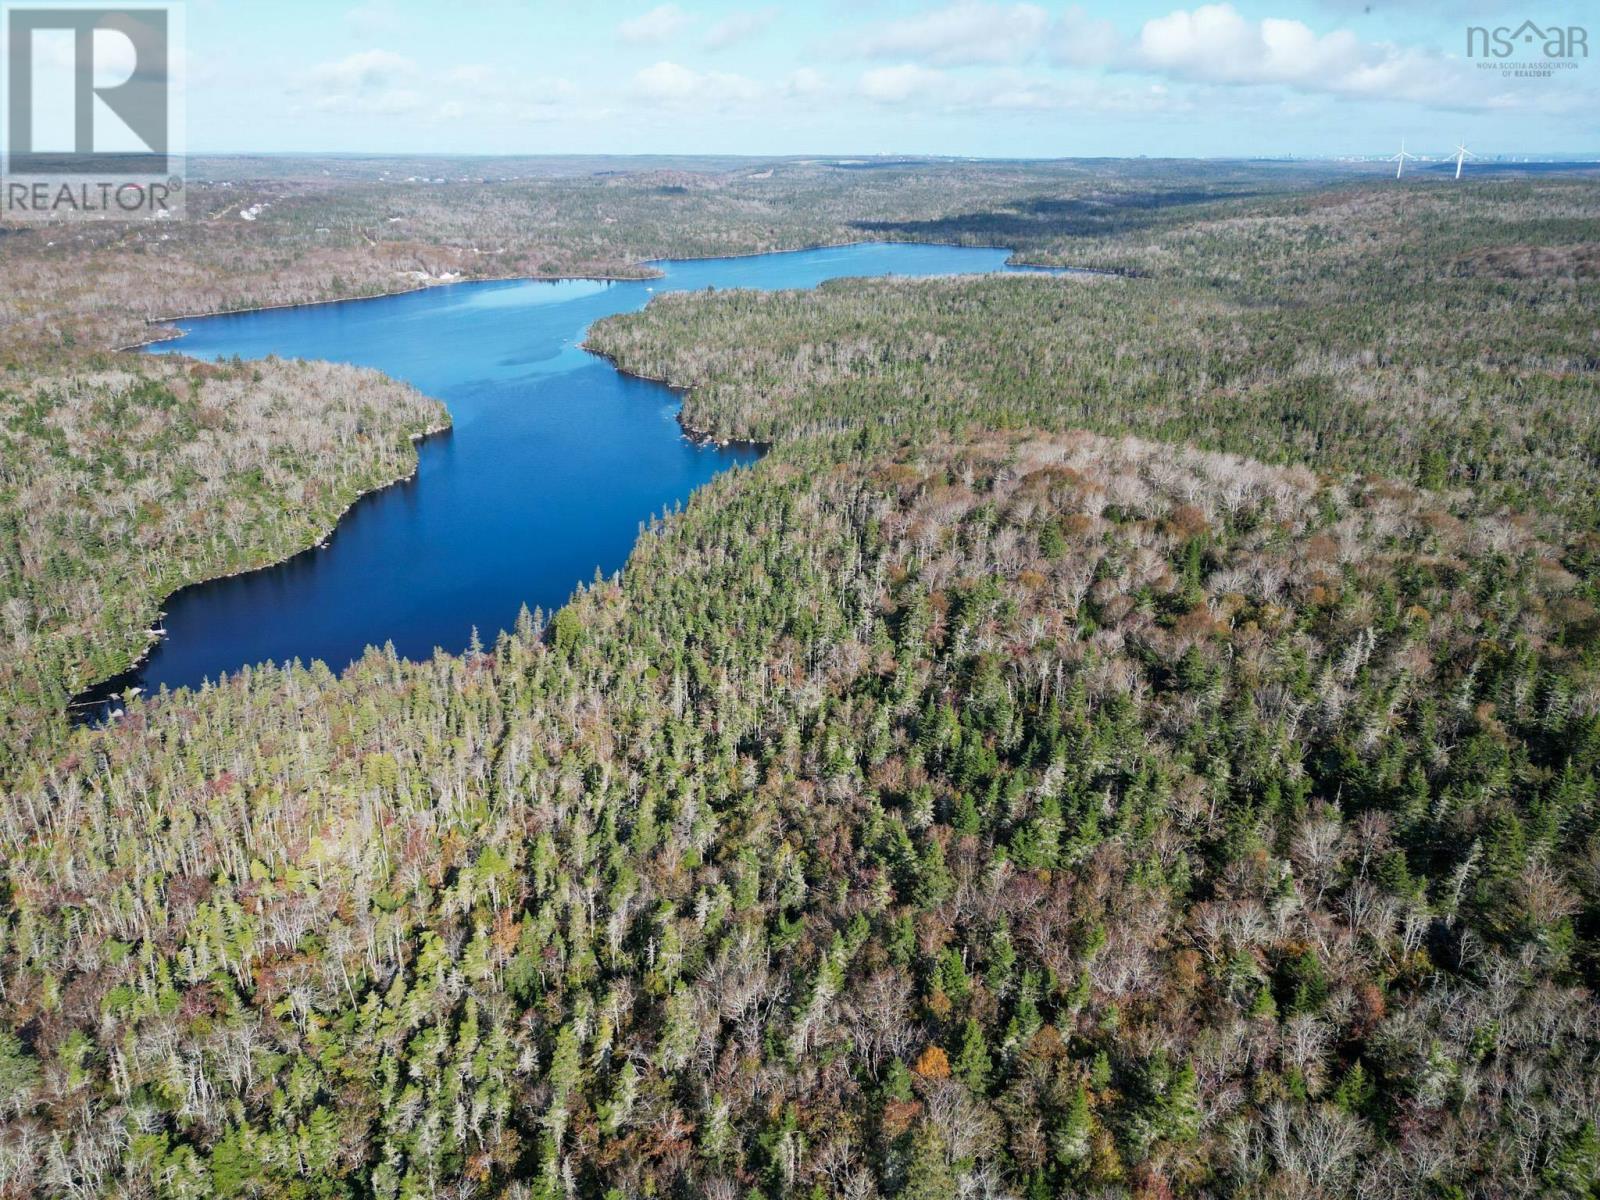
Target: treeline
column 317, row 238
column 122, row 480
column 954, row 804
column 1394, row 344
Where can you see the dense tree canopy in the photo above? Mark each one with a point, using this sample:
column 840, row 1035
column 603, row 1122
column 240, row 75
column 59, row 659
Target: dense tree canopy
column 1129, row 737
column 121, row 481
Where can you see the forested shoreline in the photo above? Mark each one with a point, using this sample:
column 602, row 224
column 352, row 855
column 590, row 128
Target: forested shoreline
column 314, row 240
column 131, row 477
column 1129, row 737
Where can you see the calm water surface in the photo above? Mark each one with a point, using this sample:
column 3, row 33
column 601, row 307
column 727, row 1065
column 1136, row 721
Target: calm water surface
column 554, row 460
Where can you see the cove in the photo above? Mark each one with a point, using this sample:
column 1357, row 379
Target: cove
column 554, row 460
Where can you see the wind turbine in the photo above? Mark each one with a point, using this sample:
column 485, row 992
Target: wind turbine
column 1462, row 154
column 1399, row 160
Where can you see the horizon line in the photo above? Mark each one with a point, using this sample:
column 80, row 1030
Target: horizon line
column 1566, row 156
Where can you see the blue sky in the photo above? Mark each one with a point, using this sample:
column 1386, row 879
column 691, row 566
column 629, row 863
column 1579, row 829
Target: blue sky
column 1100, row 77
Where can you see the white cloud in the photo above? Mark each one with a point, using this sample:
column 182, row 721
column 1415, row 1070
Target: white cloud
column 1212, row 44
column 1015, row 91
column 962, row 34
column 673, row 83
column 1082, row 40
column 1215, row 44
column 896, row 85
column 369, row 82
column 740, row 27
column 382, row 83
column 476, row 77
column 660, row 24
column 366, row 70
column 666, row 81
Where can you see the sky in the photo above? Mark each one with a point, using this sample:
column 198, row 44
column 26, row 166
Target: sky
column 1311, row 78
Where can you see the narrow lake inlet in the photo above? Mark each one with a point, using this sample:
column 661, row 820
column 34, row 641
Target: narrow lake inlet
column 554, row 460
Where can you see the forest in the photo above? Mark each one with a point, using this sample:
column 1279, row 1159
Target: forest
column 288, row 231
column 1134, row 735
column 123, row 480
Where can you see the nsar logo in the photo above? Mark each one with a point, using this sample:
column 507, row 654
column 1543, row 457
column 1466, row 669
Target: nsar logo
column 1528, row 50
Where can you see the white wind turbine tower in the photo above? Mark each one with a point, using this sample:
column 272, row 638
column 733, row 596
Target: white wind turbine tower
column 1462, row 154
column 1399, row 160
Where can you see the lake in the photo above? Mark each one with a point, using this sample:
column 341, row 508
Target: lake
column 554, row 459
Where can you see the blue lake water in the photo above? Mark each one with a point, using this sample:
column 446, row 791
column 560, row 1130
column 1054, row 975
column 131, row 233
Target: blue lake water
column 554, row 460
